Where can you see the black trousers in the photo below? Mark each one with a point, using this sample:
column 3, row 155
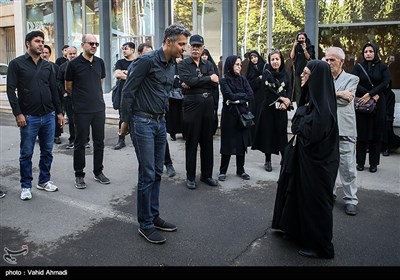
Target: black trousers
column 374, row 151
column 225, row 164
column 198, row 120
column 83, row 123
column 167, row 158
column 71, row 123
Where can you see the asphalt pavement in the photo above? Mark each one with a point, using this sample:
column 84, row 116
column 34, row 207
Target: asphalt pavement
column 224, row 227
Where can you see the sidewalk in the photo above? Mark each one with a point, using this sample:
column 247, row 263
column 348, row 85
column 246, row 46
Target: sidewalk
column 224, row 226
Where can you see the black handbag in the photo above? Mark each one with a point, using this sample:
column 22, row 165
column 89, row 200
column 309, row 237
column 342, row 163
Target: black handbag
column 116, row 95
column 366, row 108
column 246, row 119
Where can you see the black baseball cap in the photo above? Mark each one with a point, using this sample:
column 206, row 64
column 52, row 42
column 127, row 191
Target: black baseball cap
column 196, row 40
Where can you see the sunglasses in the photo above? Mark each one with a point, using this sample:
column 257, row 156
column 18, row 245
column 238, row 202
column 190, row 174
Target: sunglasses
column 92, row 44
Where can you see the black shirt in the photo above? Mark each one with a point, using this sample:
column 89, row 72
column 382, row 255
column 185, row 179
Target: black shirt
column 37, row 95
column 87, row 91
column 197, row 78
column 147, row 87
column 122, row 64
column 61, row 60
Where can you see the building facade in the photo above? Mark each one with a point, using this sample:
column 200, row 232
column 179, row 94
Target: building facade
column 229, row 27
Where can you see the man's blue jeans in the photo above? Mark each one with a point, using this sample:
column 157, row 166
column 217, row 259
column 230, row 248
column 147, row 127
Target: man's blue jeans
column 42, row 127
column 148, row 137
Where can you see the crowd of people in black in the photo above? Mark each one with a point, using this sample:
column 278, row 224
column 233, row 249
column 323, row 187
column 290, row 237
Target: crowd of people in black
column 328, row 135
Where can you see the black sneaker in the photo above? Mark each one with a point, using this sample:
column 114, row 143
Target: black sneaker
column 80, row 183
column 163, row 225
column 2, row 194
column 57, row 140
column 152, row 235
column 244, row 176
column 170, row 170
column 102, row 179
column 70, row 146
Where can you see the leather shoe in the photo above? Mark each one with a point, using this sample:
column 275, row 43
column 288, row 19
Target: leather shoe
column 385, row 153
column 244, row 176
column 313, row 254
column 191, row 184
column 373, row 169
column 360, row 167
column 268, row 166
column 209, row 181
column 350, row 209
column 308, row 253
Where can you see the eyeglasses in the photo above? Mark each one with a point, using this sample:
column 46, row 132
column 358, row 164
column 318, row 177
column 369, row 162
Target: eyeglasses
column 304, row 73
column 238, row 64
column 92, row 44
column 330, row 59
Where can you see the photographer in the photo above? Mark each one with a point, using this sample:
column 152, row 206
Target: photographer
column 302, row 51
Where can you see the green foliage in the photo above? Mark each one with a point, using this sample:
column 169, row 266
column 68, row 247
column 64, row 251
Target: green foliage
column 183, row 11
column 289, row 19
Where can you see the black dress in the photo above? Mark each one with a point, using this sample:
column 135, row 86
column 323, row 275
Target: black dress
column 304, row 199
column 271, row 124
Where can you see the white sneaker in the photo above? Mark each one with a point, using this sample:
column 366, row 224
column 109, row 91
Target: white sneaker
column 26, row 194
column 49, row 186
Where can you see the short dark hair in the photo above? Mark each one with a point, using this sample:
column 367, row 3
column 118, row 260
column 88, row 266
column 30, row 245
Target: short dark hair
column 142, row 46
column 47, row 47
column 174, row 30
column 36, row 33
column 65, row 47
column 129, row 44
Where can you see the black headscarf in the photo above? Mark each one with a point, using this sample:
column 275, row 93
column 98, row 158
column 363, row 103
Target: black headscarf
column 281, row 71
column 369, row 65
column 322, row 97
column 206, row 51
column 232, row 79
column 255, row 70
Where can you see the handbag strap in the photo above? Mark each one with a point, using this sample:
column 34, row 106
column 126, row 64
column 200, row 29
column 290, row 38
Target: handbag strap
column 366, row 74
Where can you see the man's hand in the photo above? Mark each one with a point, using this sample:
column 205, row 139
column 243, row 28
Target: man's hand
column 214, row 78
column 124, row 128
column 21, row 121
column 346, row 95
column 60, row 118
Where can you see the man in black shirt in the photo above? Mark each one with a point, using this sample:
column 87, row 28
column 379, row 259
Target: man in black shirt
column 198, row 115
column 144, row 104
column 121, row 73
column 34, row 108
column 71, row 54
column 62, row 58
column 46, row 53
column 84, row 78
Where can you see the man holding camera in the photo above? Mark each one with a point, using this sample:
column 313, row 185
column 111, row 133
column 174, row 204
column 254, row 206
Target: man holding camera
column 302, row 51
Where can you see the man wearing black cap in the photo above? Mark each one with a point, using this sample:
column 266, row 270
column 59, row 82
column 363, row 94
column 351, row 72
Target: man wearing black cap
column 199, row 79
column 63, row 58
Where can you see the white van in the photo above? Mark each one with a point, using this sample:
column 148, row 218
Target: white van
column 3, row 73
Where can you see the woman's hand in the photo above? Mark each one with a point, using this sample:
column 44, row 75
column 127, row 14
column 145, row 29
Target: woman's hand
column 364, row 99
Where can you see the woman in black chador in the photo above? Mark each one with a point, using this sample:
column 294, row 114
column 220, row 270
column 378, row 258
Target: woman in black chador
column 304, row 199
column 254, row 76
column 270, row 135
